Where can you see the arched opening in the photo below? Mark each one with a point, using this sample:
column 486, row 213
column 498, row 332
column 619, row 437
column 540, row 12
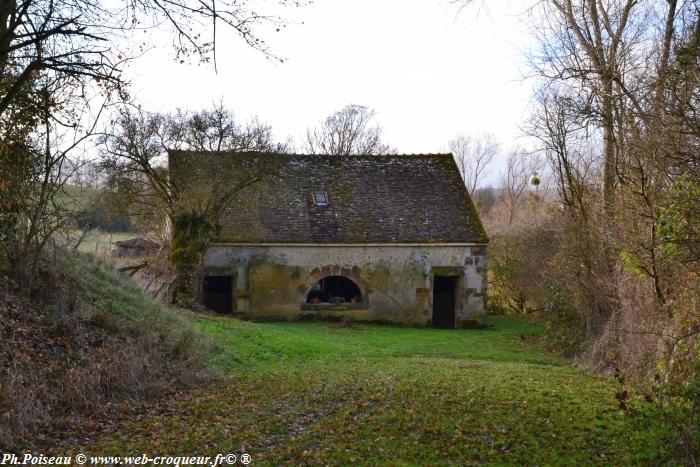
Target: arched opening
column 334, row 289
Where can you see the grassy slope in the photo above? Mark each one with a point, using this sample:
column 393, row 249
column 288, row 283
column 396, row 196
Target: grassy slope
column 317, row 393
column 93, row 341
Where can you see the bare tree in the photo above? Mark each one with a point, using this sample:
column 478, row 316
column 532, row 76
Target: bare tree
column 216, row 129
column 591, row 43
column 61, row 64
column 134, row 158
column 564, row 142
column 347, row 132
column 88, row 40
column 87, row 174
column 35, row 165
column 520, row 168
column 616, row 118
column 134, row 154
column 485, row 199
column 472, row 155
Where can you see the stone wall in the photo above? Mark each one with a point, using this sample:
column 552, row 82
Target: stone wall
column 272, row 282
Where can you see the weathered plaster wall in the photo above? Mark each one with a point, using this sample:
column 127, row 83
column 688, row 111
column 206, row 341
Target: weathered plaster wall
column 396, row 281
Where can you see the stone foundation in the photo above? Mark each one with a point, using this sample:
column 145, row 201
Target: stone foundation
column 272, row 282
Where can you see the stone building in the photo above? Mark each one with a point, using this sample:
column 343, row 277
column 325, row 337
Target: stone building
column 372, row 238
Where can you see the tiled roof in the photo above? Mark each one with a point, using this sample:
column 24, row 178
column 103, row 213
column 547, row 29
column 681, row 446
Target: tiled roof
column 371, row 199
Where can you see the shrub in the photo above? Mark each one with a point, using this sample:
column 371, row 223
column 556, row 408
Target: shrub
column 563, row 325
column 518, row 263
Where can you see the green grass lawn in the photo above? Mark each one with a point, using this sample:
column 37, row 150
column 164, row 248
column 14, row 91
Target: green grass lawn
column 317, row 393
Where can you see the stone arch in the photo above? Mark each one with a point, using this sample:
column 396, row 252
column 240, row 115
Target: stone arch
column 335, row 290
column 353, row 273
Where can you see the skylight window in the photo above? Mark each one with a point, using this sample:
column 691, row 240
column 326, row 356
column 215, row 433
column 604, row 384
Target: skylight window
column 320, row 198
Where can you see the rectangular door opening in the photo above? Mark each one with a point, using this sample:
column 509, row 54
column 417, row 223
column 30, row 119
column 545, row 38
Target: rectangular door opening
column 444, row 288
column 218, row 293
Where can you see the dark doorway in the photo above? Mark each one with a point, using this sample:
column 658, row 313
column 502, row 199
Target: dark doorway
column 334, row 289
column 218, row 293
column 444, row 301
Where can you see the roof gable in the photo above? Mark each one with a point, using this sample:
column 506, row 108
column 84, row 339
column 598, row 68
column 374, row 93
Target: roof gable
column 371, row 199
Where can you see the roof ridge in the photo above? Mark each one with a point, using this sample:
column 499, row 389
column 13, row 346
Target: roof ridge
column 419, row 154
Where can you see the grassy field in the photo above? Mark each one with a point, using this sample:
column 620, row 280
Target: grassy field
column 98, row 243
column 313, row 393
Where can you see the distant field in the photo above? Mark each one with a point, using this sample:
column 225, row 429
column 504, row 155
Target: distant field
column 76, row 198
column 316, row 394
column 99, row 243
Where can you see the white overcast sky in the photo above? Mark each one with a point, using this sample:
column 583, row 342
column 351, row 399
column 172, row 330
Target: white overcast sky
column 428, row 72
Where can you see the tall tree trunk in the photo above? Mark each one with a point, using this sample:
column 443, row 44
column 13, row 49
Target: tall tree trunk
column 665, row 54
column 609, row 150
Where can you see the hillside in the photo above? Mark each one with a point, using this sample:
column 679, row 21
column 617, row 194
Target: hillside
column 90, row 349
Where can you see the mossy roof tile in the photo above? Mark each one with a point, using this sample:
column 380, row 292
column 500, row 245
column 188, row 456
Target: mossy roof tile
column 371, row 199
